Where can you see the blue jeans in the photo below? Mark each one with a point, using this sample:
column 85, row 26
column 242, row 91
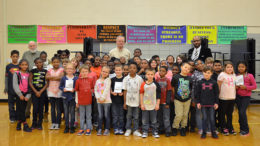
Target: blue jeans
column 132, row 115
column 242, row 104
column 55, row 110
column 149, row 117
column 69, row 112
column 163, row 117
column 199, row 118
column 208, row 117
column 118, row 116
column 85, row 116
column 11, row 106
column 104, row 111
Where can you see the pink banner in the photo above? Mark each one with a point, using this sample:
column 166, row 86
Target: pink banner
column 51, row 34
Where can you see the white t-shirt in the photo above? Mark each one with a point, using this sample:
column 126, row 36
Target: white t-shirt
column 228, row 87
column 132, row 85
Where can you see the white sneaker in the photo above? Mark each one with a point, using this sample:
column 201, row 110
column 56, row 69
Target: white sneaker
column 145, row 134
column 137, row 133
column 53, row 125
column 57, row 126
column 128, row 132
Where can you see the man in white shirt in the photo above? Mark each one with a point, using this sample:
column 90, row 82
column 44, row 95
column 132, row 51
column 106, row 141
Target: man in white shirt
column 120, row 51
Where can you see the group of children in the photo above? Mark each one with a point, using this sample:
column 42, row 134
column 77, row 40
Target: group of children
column 154, row 96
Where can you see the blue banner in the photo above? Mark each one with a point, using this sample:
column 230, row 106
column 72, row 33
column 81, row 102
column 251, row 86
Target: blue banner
column 171, row 34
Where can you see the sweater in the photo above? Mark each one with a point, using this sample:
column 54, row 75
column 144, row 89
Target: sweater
column 83, row 87
column 102, row 90
column 207, row 92
column 249, row 82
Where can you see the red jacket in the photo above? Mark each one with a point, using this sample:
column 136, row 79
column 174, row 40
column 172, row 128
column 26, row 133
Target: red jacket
column 84, row 86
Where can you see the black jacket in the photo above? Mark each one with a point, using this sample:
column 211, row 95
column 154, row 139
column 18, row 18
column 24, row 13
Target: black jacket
column 207, row 92
column 204, row 53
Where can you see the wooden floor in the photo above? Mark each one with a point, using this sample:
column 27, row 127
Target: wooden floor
column 46, row 137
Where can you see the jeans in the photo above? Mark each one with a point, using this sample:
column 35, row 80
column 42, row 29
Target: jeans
column 94, row 110
column 85, row 116
column 117, row 116
column 208, row 117
column 69, row 112
column 132, row 115
column 149, row 117
column 11, row 106
column 242, row 104
column 181, row 111
column 38, row 103
column 199, row 118
column 226, row 108
column 104, row 111
column 56, row 110
column 163, row 117
column 192, row 118
column 20, row 109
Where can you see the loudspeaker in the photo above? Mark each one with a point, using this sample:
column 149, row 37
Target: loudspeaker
column 91, row 46
column 243, row 50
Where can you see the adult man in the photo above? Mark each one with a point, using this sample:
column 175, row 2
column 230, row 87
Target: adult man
column 198, row 52
column 30, row 56
column 120, row 51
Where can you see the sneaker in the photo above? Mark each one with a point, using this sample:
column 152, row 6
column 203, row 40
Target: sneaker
column 183, row 132
column 232, row 132
column 12, row 121
column 34, row 126
column 208, row 132
column 161, row 131
column 121, row 132
column 156, row 135
column 80, row 132
column 66, row 130
column 200, row 132
column 225, row 132
column 57, row 126
column 203, row 135
column 128, row 132
column 95, row 124
column 174, row 132
column 18, row 127
column 137, row 133
column 26, row 128
column 168, row 134
column 39, row 127
column 192, row 129
column 99, row 132
column 88, row 132
column 214, row 135
column 145, row 134
column 106, row 132
column 52, row 126
column 72, row 130
column 244, row 133
column 116, row 132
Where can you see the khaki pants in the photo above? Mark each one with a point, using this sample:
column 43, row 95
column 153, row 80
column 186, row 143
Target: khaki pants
column 181, row 113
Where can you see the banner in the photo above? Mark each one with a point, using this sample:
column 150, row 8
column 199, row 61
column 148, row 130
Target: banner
column 141, row 34
column 108, row 33
column 22, row 33
column 209, row 32
column 171, row 34
column 228, row 33
column 77, row 33
column 51, row 34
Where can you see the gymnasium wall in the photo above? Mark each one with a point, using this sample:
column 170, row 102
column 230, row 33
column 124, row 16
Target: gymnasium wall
column 134, row 12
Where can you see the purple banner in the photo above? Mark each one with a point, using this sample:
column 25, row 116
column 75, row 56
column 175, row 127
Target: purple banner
column 141, row 34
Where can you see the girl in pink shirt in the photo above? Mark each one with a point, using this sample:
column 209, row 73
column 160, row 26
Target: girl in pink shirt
column 243, row 96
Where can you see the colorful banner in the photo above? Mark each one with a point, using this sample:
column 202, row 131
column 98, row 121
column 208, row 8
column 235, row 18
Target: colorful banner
column 209, row 32
column 108, row 33
column 22, row 33
column 228, row 33
column 51, row 34
column 77, row 33
column 171, row 34
column 141, row 34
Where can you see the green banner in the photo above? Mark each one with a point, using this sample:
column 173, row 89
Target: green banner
column 228, row 33
column 22, row 33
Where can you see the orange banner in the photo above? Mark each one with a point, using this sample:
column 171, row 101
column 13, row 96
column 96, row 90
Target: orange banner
column 77, row 33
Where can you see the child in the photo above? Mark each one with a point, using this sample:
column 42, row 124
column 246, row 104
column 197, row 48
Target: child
column 96, row 67
column 38, row 85
column 207, row 100
column 217, row 67
column 122, row 60
column 102, row 94
column 150, row 94
column 112, row 69
column 54, row 76
column 181, row 88
column 180, row 58
column 67, row 85
column 170, row 61
column 164, row 111
column 83, row 88
column 137, row 52
column 80, row 57
column 209, row 61
column 131, row 87
column 23, row 92
column 125, row 70
column 117, row 97
column 243, row 96
column 106, row 57
column 144, row 66
column 103, row 63
column 226, row 83
column 175, row 71
column 169, row 72
column 64, row 62
column 76, row 65
column 137, row 60
column 9, row 72
column 153, row 64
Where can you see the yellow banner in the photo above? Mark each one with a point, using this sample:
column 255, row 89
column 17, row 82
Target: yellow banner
column 209, row 32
